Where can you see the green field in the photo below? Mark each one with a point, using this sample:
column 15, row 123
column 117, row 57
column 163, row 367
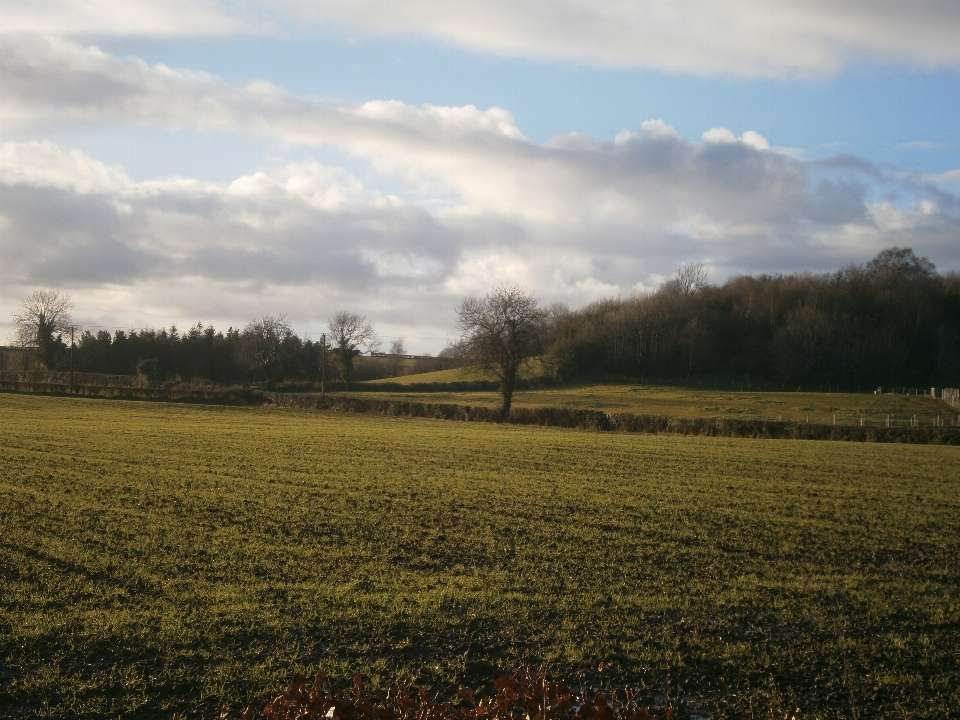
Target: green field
column 530, row 368
column 160, row 559
column 846, row 408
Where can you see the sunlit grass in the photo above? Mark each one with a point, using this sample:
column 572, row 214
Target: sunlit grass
column 823, row 408
column 531, row 368
column 162, row 558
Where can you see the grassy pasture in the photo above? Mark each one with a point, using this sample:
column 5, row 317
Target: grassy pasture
column 437, row 376
column 704, row 403
column 530, row 368
column 159, row 559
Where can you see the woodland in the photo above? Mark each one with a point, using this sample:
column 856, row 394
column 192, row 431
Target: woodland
column 893, row 321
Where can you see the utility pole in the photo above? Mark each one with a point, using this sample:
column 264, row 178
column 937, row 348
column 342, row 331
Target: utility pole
column 71, row 359
column 323, row 361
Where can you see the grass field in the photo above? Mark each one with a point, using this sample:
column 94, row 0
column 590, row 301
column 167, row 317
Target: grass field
column 164, row 559
column 530, row 368
column 691, row 402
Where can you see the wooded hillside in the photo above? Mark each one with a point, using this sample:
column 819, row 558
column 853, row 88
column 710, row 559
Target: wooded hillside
column 893, row 321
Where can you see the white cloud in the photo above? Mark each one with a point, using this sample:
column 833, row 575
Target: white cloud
column 722, row 135
column 755, row 140
column 134, row 18
column 479, row 155
column 56, row 83
column 444, row 202
column 309, row 237
column 223, row 252
column 739, row 37
column 789, row 37
column 43, row 164
column 948, row 175
column 718, row 135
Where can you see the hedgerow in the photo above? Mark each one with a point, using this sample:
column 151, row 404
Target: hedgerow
column 598, row 420
column 573, row 418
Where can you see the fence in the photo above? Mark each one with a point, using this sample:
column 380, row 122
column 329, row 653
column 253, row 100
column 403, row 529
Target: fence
column 951, row 396
column 904, row 390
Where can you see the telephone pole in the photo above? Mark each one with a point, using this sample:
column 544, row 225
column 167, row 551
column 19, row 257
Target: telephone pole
column 323, row 361
column 71, row 359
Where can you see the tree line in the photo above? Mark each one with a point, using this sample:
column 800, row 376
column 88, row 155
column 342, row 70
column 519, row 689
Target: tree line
column 266, row 350
column 893, row 321
column 890, row 322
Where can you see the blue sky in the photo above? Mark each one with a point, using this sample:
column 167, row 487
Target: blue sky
column 874, row 110
column 181, row 161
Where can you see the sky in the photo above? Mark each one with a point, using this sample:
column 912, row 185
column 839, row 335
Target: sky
column 174, row 161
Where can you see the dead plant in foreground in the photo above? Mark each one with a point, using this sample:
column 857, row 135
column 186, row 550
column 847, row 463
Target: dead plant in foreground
column 527, row 695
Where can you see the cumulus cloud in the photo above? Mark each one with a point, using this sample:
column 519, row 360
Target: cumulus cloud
column 55, row 83
column 575, row 219
column 479, row 155
column 723, row 135
column 43, row 164
column 313, row 236
column 306, row 226
column 740, row 37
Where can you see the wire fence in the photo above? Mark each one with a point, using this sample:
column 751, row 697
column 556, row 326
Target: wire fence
column 868, row 419
column 951, row 396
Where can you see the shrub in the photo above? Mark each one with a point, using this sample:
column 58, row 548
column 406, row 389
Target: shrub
column 149, row 370
column 527, row 695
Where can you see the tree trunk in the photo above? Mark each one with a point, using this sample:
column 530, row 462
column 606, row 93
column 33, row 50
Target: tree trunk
column 506, row 391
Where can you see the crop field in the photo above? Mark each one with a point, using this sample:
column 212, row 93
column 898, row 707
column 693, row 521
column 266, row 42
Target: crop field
column 814, row 407
column 161, row 560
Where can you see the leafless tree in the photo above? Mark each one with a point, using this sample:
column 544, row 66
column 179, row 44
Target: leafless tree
column 41, row 320
column 498, row 333
column 689, row 279
column 397, row 347
column 348, row 333
column 264, row 341
column 397, row 351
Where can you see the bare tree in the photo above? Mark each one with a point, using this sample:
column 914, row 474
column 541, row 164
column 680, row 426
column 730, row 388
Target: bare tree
column 40, row 322
column 264, row 341
column 349, row 332
column 689, row 279
column 498, row 333
column 397, row 351
column 397, row 347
